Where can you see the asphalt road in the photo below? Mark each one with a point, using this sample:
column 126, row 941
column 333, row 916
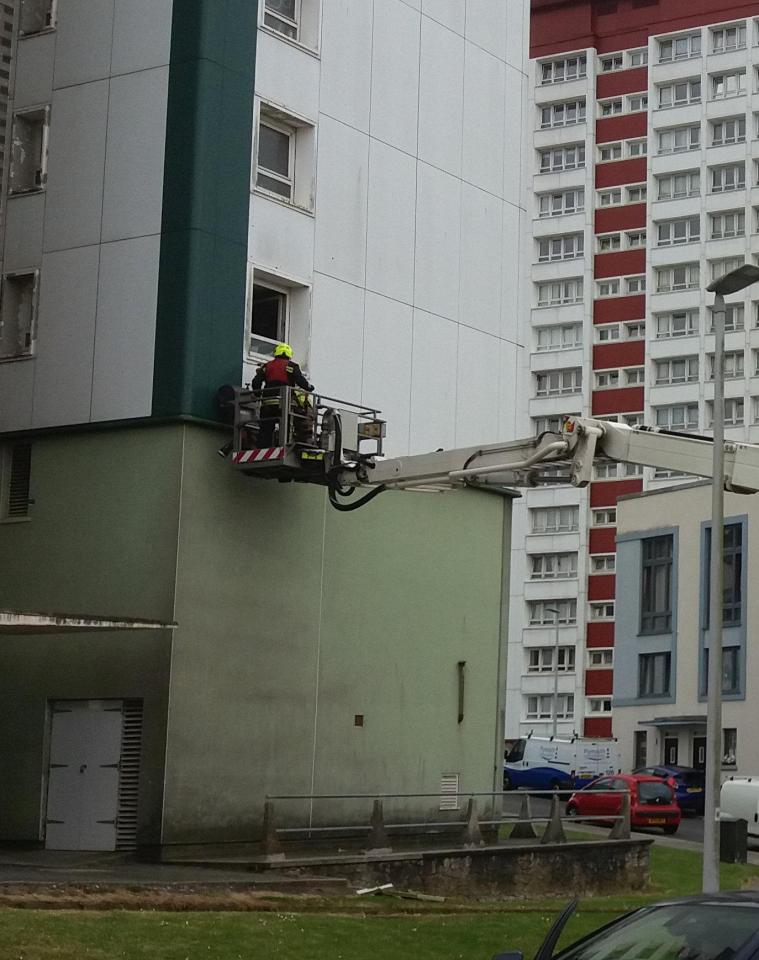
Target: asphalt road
column 691, row 827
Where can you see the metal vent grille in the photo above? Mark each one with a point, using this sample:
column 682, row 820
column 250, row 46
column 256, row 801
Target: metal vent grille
column 449, row 788
column 18, row 483
column 129, row 775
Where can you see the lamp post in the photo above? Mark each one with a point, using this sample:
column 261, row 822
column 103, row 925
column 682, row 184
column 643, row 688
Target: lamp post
column 555, row 613
column 730, row 283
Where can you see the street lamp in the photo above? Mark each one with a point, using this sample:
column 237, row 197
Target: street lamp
column 555, row 613
column 731, row 282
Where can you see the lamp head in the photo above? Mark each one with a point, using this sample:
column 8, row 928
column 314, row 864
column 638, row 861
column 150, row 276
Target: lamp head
column 734, row 281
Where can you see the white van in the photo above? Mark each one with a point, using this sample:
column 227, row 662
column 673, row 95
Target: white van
column 548, row 763
column 739, row 798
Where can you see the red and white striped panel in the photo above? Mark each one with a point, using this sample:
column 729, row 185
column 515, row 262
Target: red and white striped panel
column 264, row 453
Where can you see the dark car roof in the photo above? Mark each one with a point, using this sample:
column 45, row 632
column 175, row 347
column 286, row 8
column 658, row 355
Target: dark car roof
column 671, row 767
column 725, row 896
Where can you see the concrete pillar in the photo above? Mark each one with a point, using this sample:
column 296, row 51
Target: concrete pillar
column 472, row 836
column 523, row 828
column 272, row 848
column 378, row 841
column 621, row 828
column 554, row 832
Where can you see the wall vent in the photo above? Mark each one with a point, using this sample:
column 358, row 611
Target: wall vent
column 449, row 788
column 129, row 775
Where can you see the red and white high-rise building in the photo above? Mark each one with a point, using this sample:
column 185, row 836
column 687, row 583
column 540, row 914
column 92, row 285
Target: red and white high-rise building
column 645, row 154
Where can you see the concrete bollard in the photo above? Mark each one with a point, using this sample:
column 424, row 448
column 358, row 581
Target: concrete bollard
column 378, row 840
column 621, row 828
column 472, row 835
column 554, row 832
column 272, row 848
column 523, row 828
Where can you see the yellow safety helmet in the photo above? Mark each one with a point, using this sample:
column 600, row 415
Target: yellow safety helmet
column 283, row 350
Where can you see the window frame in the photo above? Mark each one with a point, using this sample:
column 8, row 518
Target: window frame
column 648, row 675
column 31, row 333
column 656, row 610
column 296, row 24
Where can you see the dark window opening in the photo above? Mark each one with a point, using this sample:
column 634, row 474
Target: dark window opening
column 656, row 588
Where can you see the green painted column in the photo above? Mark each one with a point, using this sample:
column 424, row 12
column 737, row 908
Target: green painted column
column 206, row 195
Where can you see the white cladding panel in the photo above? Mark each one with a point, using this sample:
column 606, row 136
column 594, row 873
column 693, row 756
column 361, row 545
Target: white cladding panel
column 103, row 74
column 416, row 227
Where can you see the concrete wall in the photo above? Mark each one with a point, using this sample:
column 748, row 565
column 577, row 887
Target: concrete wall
column 101, row 539
column 293, row 619
column 326, row 616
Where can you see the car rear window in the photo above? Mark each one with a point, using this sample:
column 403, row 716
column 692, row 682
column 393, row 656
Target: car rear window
column 650, row 791
column 689, row 931
column 692, row 779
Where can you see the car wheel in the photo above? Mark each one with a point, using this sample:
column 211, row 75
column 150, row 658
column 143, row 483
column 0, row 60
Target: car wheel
column 671, row 828
column 571, row 810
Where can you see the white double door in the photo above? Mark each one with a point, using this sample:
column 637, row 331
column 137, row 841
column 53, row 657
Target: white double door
column 83, row 777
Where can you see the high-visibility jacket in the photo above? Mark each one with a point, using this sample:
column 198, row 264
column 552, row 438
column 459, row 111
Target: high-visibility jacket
column 280, row 372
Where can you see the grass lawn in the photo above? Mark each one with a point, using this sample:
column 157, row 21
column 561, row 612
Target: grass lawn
column 367, row 928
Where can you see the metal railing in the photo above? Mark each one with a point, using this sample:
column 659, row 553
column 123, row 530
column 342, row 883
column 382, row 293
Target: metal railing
column 378, row 833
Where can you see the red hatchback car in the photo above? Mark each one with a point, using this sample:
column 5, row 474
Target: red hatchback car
column 652, row 801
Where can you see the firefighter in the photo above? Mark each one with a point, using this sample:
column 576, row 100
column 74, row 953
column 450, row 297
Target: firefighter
column 280, row 372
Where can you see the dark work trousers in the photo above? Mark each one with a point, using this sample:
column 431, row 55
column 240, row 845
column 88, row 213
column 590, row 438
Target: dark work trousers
column 270, row 414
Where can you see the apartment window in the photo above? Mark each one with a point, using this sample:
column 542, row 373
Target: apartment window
column 636, row 194
column 571, row 157
column 607, row 333
column 654, row 674
column 607, row 379
column 606, row 471
column 612, row 63
column 540, row 612
column 679, row 139
column 680, row 416
column 637, row 102
column 676, row 370
column 677, row 185
column 541, row 707
column 555, row 519
column 569, row 68
column 670, row 232
column 605, row 518
column 541, row 660
column 680, row 48
column 550, row 424
column 729, row 38
column 634, row 376
column 276, row 158
column 28, row 166
column 682, row 277
column 636, row 238
column 568, row 247
column 603, row 563
column 679, row 93
column 36, row 16
column 599, row 704
column 733, row 412
column 560, row 292
column 679, row 323
column 602, row 611
column 638, row 58
column 726, row 85
column 610, row 108
column 558, row 204
column 283, row 16
column 562, row 114
column 18, row 314
column 730, row 224
column 718, row 268
column 608, row 288
column 635, row 330
column 600, row 659
column 728, row 131
column 268, row 319
column 729, row 743
column 610, row 151
column 637, row 148
column 734, row 315
column 656, row 584
column 565, row 336
column 16, row 463
column 732, row 571
column 553, row 566
column 732, row 177
column 612, row 241
column 610, row 198
column 635, row 284
column 557, row 383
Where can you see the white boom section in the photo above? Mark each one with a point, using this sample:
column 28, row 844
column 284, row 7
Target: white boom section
column 581, row 441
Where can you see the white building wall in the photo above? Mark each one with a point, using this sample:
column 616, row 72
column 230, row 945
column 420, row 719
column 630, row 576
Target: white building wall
column 92, row 228
column 406, row 260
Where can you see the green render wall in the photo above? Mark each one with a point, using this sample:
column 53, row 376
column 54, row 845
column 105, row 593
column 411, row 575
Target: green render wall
column 206, row 199
column 292, row 619
column 101, row 540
